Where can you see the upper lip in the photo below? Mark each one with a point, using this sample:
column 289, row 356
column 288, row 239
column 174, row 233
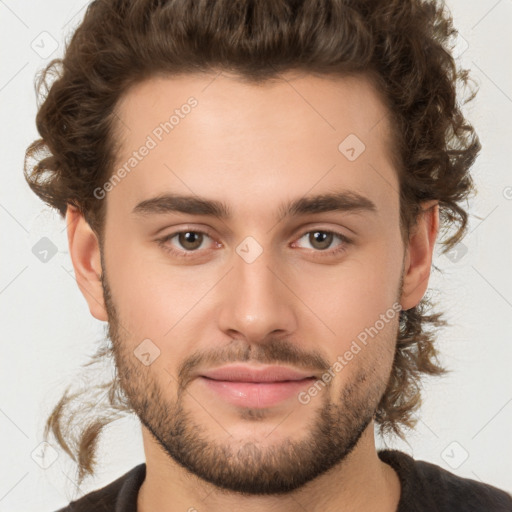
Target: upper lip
column 241, row 373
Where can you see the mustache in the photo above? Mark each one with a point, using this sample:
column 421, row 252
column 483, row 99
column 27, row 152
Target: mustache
column 274, row 351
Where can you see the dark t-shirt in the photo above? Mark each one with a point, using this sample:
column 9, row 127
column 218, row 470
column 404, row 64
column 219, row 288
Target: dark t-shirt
column 425, row 488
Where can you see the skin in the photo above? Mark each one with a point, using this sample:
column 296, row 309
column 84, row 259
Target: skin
column 253, row 147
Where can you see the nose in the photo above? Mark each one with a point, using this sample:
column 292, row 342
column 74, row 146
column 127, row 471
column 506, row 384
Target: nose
column 256, row 300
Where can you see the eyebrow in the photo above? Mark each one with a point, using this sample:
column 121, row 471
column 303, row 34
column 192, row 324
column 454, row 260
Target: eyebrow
column 343, row 201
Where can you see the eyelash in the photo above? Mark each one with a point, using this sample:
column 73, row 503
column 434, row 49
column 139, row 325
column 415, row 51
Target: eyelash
column 162, row 242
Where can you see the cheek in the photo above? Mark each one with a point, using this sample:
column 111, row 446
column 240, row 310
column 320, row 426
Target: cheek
column 154, row 299
column 351, row 296
column 136, row 293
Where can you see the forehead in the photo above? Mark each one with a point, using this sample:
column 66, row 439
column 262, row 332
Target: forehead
column 331, row 104
column 213, row 134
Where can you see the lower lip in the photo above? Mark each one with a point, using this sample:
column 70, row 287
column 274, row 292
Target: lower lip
column 256, row 394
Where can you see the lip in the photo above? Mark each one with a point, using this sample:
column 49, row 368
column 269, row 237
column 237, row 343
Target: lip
column 256, row 394
column 244, row 373
column 245, row 386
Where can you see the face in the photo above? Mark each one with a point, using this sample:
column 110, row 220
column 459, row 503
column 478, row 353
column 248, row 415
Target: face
column 315, row 288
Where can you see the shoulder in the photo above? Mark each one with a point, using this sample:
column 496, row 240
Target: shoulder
column 121, row 494
column 426, row 486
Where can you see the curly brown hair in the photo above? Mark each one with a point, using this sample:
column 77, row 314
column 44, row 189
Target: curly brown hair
column 402, row 46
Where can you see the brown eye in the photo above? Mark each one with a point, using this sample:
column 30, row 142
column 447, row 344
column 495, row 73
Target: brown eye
column 321, row 239
column 323, row 243
column 187, row 244
column 190, row 240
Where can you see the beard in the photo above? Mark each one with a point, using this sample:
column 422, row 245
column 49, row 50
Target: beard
column 247, row 467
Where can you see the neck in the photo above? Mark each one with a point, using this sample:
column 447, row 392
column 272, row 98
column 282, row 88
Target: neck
column 361, row 482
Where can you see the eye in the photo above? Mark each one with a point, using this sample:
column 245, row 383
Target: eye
column 321, row 240
column 190, row 240
column 187, row 242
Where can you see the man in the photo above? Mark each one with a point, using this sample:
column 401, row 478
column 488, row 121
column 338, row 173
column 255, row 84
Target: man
column 253, row 192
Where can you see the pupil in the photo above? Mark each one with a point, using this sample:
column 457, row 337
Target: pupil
column 189, row 239
column 323, row 238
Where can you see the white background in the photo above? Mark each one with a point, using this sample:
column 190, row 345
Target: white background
column 47, row 331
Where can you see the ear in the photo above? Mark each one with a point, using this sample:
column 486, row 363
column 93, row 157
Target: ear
column 418, row 259
column 85, row 254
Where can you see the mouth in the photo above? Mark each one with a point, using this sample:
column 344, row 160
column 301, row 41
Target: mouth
column 256, row 394
column 259, row 374
column 256, row 387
